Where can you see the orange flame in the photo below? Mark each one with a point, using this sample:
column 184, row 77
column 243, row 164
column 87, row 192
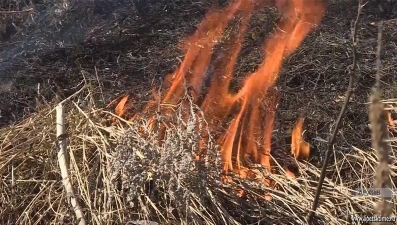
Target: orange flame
column 253, row 107
column 299, row 147
column 390, row 120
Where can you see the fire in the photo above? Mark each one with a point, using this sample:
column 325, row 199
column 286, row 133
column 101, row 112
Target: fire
column 390, row 120
column 299, row 147
column 252, row 109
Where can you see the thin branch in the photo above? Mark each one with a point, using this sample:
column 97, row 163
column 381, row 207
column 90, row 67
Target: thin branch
column 352, row 73
column 16, row 12
column 63, row 165
column 68, row 98
column 378, row 60
column 378, row 118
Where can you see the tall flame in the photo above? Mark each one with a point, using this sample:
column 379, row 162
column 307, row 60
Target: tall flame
column 249, row 134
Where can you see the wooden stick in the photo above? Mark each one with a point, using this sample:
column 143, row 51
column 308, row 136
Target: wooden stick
column 62, row 151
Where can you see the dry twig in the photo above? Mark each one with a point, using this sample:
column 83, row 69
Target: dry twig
column 352, row 73
column 16, row 12
column 62, row 151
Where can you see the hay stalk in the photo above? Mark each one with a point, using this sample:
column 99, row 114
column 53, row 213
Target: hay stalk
column 378, row 118
column 62, row 151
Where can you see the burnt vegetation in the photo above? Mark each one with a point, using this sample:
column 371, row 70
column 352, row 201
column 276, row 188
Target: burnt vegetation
column 92, row 52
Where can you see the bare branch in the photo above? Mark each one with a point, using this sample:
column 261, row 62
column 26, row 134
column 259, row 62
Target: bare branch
column 352, row 73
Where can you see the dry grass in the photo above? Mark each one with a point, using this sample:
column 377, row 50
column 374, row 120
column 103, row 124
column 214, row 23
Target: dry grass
column 119, row 175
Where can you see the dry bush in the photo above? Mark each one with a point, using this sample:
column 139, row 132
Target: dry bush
column 164, row 180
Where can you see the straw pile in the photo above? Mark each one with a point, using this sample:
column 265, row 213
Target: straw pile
column 157, row 183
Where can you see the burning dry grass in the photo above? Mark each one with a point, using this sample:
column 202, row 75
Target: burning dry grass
column 246, row 117
column 120, row 175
